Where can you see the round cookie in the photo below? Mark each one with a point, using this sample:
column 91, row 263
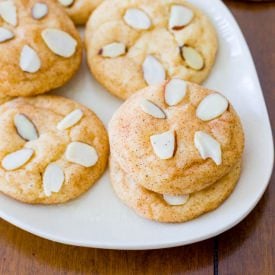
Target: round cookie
column 176, row 138
column 52, row 149
column 132, row 44
column 41, row 45
column 79, row 10
column 156, row 207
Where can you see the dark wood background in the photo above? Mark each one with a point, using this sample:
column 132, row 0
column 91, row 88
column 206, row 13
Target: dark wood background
column 247, row 249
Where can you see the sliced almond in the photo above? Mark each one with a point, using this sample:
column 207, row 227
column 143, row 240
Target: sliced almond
column 53, row 179
column 164, row 144
column 25, row 128
column 29, row 60
column 152, row 109
column 8, row 12
column 113, row 50
column 208, row 147
column 137, row 19
column 82, row 154
column 175, row 91
column 176, row 200
column 59, row 42
column 66, row 3
column 17, row 159
column 5, row 34
column 70, row 120
column 211, row 107
column 180, row 16
column 153, row 71
column 193, row 58
column 39, row 10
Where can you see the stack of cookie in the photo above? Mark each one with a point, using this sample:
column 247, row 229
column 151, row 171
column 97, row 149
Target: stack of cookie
column 52, row 149
column 176, row 151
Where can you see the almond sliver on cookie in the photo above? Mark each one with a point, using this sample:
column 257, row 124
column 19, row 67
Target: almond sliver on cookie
column 82, row 154
column 66, row 3
column 193, row 58
column 137, row 19
column 59, row 42
column 53, row 179
column 212, row 106
column 29, row 60
column 180, row 16
column 176, row 200
column 17, row 159
column 39, row 11
column 175, row 91
column 153, row 71
column 8, row 12
column 70, row 120
column 25, row 128
column 208, row 147
column 5, row 34
column 152, row 109
column 164, row 144
column 113, row 50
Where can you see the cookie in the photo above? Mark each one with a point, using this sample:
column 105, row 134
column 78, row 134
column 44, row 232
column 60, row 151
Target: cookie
column 41, row 45
column 52, row 149
column 171, row 209
column 79, row 10
column 176, row 138
column 132, row 44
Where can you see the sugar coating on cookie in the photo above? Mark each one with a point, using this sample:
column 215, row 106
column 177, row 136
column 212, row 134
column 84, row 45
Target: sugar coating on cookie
column 52, row 149
column 131, row 44
column 79, row 10
column 184, row 151
column 41, row 45
column 167, row 208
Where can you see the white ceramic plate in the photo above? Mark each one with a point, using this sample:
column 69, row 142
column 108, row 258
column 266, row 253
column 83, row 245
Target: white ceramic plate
column 99, row 219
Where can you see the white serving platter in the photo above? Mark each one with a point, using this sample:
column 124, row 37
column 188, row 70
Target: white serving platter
column 99, row 219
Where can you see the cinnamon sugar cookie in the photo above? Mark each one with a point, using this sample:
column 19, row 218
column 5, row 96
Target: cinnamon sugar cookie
column 132, row 44
column 176, row 138
column 52, row 149
column 165, row 208
column 42, row 48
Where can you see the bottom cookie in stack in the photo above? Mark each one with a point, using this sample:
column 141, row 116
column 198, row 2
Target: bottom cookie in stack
column 171, row 209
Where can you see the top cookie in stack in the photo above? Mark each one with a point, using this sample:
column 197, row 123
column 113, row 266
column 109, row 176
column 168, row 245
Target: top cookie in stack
column 42, row 48
column 176, row 139
column 132, row 44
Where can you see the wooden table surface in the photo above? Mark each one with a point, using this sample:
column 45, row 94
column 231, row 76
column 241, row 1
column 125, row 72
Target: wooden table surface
column 247, row 249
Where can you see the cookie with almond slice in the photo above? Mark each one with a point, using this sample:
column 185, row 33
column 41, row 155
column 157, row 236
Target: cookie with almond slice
column 176, row 138
column 52, row 149
column 167, row 208
column 132, row 44
column 41, row 44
